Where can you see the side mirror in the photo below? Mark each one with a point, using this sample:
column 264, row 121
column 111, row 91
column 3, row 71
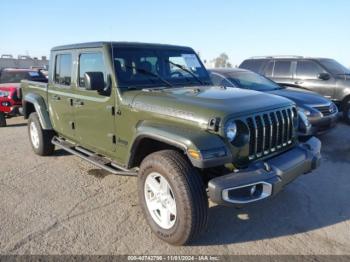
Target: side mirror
column 94, row 81
column 324, row 76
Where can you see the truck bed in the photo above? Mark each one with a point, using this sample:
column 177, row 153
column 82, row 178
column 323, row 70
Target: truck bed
column 38, row 88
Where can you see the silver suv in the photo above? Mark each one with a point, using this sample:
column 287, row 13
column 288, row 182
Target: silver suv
column 322, row 75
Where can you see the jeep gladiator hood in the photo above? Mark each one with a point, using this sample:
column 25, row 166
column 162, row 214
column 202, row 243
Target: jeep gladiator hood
column 200, row 104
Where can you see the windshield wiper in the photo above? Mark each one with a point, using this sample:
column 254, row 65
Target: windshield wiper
column 145, row 72
column 344, row 74
column 186, row 70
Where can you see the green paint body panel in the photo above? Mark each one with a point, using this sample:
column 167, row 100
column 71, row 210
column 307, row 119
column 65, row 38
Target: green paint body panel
column 178, row 116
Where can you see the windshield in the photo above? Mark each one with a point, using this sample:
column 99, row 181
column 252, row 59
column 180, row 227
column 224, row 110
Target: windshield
column 250, row 80
column 18, row 76
column 147, row 68
column 334, row 67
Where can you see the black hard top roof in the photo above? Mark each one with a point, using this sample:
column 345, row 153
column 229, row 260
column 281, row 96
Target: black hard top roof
column 117, row 44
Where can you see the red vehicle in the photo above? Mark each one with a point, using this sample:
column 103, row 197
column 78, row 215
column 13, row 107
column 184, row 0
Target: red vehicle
column 10, row 93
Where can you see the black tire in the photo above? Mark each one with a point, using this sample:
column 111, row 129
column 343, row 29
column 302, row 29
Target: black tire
column 346, row 111
column 2, row 119
column 44, row 146
column 189, row 194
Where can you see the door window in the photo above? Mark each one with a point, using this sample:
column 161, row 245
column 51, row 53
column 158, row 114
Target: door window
column 63, row 69
column 308, row 70
column 283, row 69
column 269, row 69
column 90, row 62
column 254, row 65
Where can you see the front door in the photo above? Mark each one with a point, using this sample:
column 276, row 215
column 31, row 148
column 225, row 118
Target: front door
column 60, row 95
column 94, row 110
column 307, row 76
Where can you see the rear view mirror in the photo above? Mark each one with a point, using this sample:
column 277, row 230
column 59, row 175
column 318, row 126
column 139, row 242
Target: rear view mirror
column 94, row 81
column 324, row 76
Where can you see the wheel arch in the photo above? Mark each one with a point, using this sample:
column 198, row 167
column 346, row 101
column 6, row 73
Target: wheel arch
column 36, row 103
column 345, row 101
column 147, row 144
column 152, row 137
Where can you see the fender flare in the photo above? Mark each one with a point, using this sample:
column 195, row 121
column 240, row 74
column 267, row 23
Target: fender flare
column 183, row 138
column 41, row 109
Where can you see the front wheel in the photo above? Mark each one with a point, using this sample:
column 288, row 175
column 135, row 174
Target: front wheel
column 40, row 139
column 2, row 119
column 173, row 197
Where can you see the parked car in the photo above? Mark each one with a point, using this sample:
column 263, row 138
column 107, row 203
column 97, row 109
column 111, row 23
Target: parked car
column 322, row 75
column 321, row 112
column 10, row 92
column 9, row 104
column 151, row 111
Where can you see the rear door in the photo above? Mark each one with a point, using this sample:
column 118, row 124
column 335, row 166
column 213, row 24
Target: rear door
column 282, row 71
column 94, row 110
column 60, row 94
column 307, row 76
column 255, row 65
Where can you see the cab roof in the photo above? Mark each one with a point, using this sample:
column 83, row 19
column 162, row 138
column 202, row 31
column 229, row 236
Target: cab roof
column 118, row 44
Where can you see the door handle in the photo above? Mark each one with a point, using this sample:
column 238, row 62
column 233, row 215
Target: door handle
column 56, row 97
column 299, row 82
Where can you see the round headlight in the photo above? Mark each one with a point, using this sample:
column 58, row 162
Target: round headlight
column 231, row 131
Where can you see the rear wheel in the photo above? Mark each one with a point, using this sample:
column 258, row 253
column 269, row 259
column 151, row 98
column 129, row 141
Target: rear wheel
column 2, row 119
column 40, row 139
column 346, row 111
column 173, row 197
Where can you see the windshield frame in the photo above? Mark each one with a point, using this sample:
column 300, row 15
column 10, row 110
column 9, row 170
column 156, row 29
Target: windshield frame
column 162, row 56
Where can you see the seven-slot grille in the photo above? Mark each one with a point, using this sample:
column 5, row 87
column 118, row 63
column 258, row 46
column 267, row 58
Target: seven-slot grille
column 270, row 132
column 325, row 110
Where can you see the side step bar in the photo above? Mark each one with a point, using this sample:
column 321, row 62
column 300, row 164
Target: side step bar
column 91, row 157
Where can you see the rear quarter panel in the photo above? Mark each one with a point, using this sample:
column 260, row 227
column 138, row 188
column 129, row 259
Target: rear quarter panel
column 34, row 87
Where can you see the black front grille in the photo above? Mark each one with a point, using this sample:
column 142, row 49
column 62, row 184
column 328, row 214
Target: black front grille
column 270, row 132
column 326, row 110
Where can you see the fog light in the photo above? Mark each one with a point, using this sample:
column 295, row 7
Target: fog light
column 253, row 190
column 247, row 193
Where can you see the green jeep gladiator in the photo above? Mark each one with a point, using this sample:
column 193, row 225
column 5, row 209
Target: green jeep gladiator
column 151, row 111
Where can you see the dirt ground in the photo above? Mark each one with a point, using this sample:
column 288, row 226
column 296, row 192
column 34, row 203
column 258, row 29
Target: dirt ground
column 63, row 205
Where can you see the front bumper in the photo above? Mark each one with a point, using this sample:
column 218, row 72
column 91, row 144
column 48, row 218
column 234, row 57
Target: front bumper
column 265, row 179
column 12, row 110
column 321, row 124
